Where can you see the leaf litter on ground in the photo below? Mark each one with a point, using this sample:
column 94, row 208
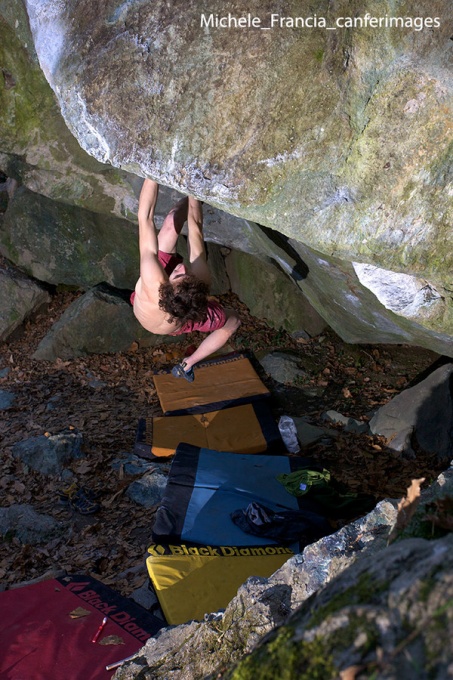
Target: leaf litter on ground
column 103, row 396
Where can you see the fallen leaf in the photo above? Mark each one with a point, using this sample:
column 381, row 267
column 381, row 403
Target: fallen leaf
column 407, row 507
column 83, row 467
column 79, row 613
column 351, row 672
column 112, row 640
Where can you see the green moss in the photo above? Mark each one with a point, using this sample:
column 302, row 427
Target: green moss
column 345, row 637
column 364, row 592
column 285, row 659
column 319, row 54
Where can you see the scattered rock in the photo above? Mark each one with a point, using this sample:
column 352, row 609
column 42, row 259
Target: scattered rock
column 21, row 521
column 49, row 455
column 149, row 489
column 421, row 417
column 6, row 399
column 350, row 424
column 20, row 296
column 309, row 434
column 282, row 367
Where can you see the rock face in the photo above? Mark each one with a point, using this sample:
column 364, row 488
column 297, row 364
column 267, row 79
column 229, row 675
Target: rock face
column 270, row 294
column 36, row 146
column 338, row 139
column 20, row 296
column 420, row 418
column 62, row 244
column 100, row 321
column 373, row 618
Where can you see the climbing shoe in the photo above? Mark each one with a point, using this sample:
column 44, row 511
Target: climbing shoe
column 81, row 499
column 179, row 372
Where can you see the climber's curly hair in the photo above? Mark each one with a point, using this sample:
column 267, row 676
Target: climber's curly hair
column 186, row 301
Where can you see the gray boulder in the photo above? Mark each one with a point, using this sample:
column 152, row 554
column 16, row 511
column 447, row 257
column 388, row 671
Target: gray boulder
column 19, row 298
column 28, row 526
column 99, row 321
column 49, row 455
column 383, row 621
column 63, row 244
column 420, row 419
column 36, row 147
column 6, row 399
column 271, row 294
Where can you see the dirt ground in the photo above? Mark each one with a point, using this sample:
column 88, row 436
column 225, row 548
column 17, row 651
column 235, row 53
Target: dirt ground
column 103, row 396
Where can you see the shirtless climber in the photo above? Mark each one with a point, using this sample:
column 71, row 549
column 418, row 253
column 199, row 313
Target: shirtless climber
column 172, row 298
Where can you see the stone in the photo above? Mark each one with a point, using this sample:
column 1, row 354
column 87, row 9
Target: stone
column 63, row 244
column 6, row 399
column 28, row 526
column 100, row 321
column 149, row 489
column 20, row 297
column 420, row 419
column 146, row 598
column 131, row 464
column 270, row 294
column 49, row 455
column 358, row 170
column 282, row 367
column 378, row 613
column 350, row 424
column 309, row 434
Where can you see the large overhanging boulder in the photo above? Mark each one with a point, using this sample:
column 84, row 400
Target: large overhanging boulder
column 36, row 147
column 338, row 139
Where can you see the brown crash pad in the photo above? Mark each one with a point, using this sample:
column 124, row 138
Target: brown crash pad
column 249, row 428
column 219, row 383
